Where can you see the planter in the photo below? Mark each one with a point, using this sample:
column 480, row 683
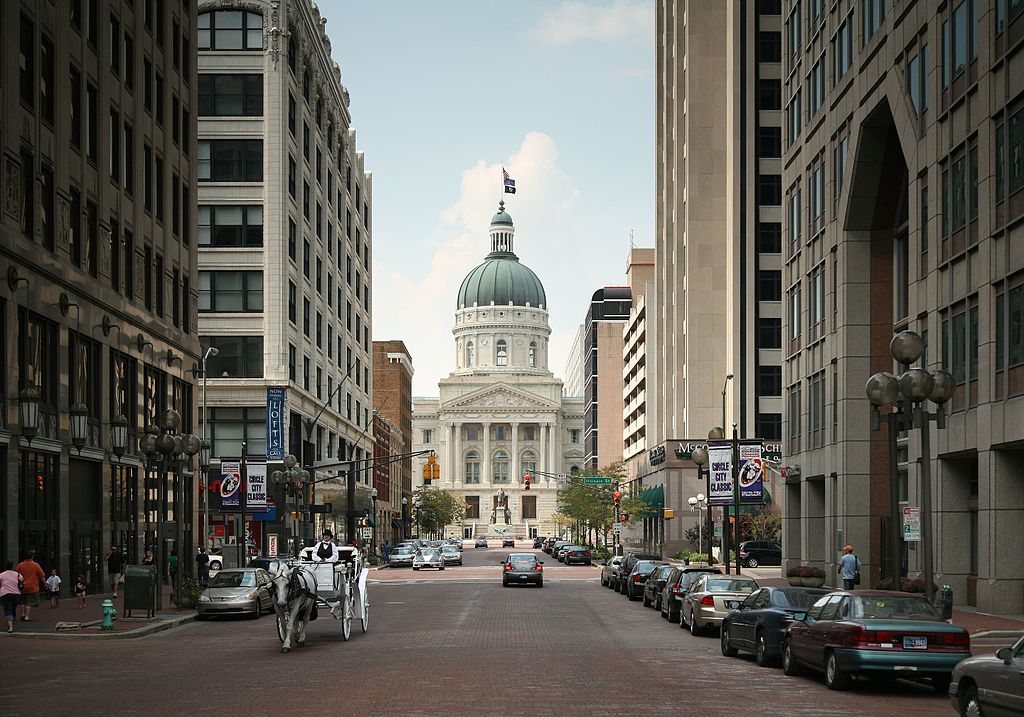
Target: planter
column 796, row 581
column 813, row 582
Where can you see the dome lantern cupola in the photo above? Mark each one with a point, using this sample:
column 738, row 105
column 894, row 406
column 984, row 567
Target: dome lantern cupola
column 502, row 231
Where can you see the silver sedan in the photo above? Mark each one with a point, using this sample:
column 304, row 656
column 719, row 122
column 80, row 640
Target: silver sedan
column 428, row 558
column 237, row 591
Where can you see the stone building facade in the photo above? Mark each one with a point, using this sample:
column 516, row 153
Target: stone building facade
column 392, row 399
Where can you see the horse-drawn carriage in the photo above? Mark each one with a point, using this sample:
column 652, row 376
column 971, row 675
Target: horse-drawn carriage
column 303, row 586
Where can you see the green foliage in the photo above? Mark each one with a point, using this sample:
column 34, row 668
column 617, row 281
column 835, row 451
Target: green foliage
column 765, row 523
column 592, row 506
column 434, row 509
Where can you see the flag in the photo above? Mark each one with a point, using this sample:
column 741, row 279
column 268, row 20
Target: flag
column 510, row 184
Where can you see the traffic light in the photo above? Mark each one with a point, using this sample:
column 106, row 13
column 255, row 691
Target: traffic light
column 623, row 517
column 431, row 469
column 526, row 481
column 40, row 484
column 618, row 498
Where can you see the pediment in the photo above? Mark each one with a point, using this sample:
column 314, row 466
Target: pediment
column 500, row 396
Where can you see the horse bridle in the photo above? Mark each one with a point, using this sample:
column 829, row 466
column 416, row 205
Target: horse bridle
column 294, row 584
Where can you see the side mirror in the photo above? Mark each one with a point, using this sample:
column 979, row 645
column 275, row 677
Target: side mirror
column 1006, row 655
column 540, row 562
column 501, row 562
column 800, row 616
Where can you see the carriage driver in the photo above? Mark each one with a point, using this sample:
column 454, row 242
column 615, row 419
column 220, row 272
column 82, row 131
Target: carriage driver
column 326, row 551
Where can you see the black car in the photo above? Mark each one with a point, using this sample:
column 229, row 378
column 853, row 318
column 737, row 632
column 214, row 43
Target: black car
column 538, row 542
column 627, row 568
column 642, row 569
column 577, row 554
column 548, row 544
column 759, row 625
column 480, row 543
column 760, row 552
column 508, row 542
column 522, row 569
column 677, row 584
column 655, row 584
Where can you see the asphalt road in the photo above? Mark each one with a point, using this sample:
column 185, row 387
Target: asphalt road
column 451, row 643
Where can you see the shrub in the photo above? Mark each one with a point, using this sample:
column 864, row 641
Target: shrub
column 907, row 585
column 805, row 571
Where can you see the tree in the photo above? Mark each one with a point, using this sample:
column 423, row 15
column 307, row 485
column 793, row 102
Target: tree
column 435, row 509
column 591, row 508
column 765, row 523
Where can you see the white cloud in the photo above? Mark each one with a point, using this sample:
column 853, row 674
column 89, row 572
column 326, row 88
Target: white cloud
column 577, row 21
column 417, row 304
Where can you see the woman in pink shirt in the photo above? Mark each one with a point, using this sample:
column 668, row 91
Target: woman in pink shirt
column 10, row 593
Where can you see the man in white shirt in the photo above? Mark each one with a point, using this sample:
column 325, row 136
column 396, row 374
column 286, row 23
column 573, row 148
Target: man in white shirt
column 326, row 551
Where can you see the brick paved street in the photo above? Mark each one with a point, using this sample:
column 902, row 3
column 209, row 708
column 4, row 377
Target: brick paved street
column 452, row 643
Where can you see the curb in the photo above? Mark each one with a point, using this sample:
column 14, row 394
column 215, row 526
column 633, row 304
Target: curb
column 143, row 631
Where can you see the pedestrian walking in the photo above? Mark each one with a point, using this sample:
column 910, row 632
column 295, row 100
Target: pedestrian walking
column 849, row 568
column 203, row 563
column 33, row 578
column 10, row 593
column 385, row 551
column 172, row 568
column 115, row 566
column 53, row 586
column 80, row 591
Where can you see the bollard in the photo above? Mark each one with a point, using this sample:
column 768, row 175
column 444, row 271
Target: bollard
column 109, row 613
column 946, row 602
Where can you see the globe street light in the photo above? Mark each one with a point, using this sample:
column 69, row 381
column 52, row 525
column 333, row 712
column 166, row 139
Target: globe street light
column 700, row 457
column 699, row 503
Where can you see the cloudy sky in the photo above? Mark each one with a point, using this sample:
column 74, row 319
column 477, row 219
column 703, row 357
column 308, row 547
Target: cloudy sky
column 445, row 93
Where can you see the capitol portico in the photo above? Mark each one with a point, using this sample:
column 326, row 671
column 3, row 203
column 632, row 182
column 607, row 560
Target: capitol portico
column 501, row 413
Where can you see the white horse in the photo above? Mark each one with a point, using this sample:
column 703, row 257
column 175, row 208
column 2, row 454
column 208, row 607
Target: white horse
column 295, row 600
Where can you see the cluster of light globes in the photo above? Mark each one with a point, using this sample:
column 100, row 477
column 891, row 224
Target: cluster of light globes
column 916, row 384
column 167, row 442
column 292, row 473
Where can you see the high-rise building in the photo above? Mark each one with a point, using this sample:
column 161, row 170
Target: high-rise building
column 285, row 236
column 573, row 372
column 602, row 375
column 717, row 244
column 98, row 251
column 636, row 372
column 392, row 399
column 902, row 182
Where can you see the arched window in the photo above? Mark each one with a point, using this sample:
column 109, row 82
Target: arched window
column 499, row 466
column 533, row 355
column 529, row 462
column 574, row 471
column 469, row 353
column 230, row 30
column 502, row 353
column 472, row 467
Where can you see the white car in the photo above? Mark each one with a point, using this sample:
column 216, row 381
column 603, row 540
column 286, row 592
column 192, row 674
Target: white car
column 401, row 556
column 452, row 554
column 428, row 558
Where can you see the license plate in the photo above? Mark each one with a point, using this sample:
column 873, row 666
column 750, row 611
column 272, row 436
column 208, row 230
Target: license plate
column 915, row 643
column 732, row 604
column 524, row 577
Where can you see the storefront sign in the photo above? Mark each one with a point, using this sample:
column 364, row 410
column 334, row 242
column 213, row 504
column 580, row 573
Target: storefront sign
column 275, row 424
column 684, row 451
column 272, row 544
column 656, row 456
column 231, row 481
column 720, row 460
column 772, row 452
column 751, row 475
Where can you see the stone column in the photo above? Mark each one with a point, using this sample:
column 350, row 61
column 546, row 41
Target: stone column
column 544, row 447
column 485, row 463
column 514, row 464
column 457, row 476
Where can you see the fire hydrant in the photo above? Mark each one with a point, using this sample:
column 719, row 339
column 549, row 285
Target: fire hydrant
column 109, row 613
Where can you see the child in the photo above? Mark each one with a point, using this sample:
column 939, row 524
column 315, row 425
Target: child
column 53, row 585
column 80, row 591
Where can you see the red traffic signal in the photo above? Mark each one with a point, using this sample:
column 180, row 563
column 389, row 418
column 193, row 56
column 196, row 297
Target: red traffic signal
column 40, row 484
column 526, row 481
column 623, row 517
column 617, row 496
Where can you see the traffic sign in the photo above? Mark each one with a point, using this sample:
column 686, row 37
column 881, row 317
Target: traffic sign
column 597, row 480
column 911, row 524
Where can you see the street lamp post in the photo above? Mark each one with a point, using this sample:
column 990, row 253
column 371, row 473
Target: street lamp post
column 698, row 503
column 373, row 540
column 718, row 434
column 405, row 515
column 910, row 391
column 292, row 477
column 700, row 457
column 204, row 458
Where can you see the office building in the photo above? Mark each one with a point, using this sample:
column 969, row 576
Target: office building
column 602, row 375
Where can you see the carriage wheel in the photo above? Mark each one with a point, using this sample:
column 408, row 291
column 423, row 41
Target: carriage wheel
column 366, row 615
column 346, row 619
column 282, row 624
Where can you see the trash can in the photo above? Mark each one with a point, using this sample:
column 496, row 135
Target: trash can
column 139, row 589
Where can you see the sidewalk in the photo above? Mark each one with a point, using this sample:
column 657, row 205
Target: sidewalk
column 45, row 619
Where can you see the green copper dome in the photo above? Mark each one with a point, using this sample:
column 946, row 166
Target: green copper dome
column 501, row 279
column 501, row 217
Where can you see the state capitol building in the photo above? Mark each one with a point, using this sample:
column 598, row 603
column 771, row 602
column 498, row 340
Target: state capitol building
column 501, row 413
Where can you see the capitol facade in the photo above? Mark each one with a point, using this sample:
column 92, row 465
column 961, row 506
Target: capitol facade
column 500, row 414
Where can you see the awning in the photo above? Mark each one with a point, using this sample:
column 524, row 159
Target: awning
column 654, row 497
column 397, row 523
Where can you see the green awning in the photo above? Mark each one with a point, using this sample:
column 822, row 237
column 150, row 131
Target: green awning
column 654, row 497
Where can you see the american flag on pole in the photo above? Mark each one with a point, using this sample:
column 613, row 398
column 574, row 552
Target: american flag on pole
column 510, row 184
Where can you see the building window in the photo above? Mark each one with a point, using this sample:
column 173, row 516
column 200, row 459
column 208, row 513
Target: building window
column 916, row 80
column 769, row 285
column 769, row 142
column 574, row 435
column 230, row 291
column 1009, row 347
column 230, row 95
column 230, row 30
column 473, row 469
column 231, row 160
column 532, row 355
column 501, row 353
column 529, row 507
column 793, row 301
column 27, row 62
column 793, row 217
column 816, row 87
column 960, row 350
column 228, row 427
column 843, row 49
column 768, row 381
column 92, row 123
column 221, row 226
column 769, row 46
column 238, row 357
column 816, row 307
column 793, row 417
column 816, row 198
column 816, row 410
column 769, row 94
column 769, row 237
column 793, row 33
column 769, row 333
column 960, row 40
column 769, row 189
column 872, row 13
column 840, row 151
column 306, row 318
column 428, row 436
column 768, row 426
column 500, row 468
column 470, row 357
column 794, row 118
column 472, row 505
column 501, row 433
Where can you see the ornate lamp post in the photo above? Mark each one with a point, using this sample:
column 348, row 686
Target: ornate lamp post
column 373, row 500
column 291, row 478
column 906, row 395
column 699, row 503
column 405, row 515
column 700, row 457
column 118, row 435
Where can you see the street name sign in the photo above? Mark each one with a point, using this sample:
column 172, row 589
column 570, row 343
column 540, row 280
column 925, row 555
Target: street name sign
column 597, row 480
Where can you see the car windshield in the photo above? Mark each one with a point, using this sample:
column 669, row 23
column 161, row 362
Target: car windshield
column 402, row 551
column 644, row 566
column 727, row 585
column 523, row 559
column 892, row 606
column 428, row 554
column 233, row 579
column 449, row 549
column 795, row 599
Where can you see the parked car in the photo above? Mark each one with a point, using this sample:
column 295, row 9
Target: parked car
column 402, row 556
column 548, row 544
column 990, row 684
column 451, row 554
column 559, row 544
column 875, row 632
column 627, row 567
column 508, row 542
column 677, row 584
column 427, row 558
column 637, row 577
column 237, row 591
column 268, row 563
column 759, row 624
column 538, row 542
column 760, row 552
column 654, row 584
column 710, row 599
column 480, row 543
column 610, row 569
column 522, row 569
column 577, row 554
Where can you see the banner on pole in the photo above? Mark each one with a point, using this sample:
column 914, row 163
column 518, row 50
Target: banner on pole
column 275, row 424
column 720, row 466
column 751, row 475
column 231, row 481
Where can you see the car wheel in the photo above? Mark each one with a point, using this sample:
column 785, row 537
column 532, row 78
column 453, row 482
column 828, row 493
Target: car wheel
column 415, row 568
column 647, row 600
column 657, row 603
column 761, row 650
column 835, row 678
column 727, row 649
column 970, row 706
column 441, row 568
column 789, row 666
column 940, row 683
column 682, row 618
column 603, row 581
column 751, row 562
column 694, row 630
column 540, row 584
